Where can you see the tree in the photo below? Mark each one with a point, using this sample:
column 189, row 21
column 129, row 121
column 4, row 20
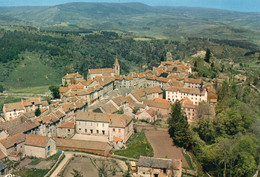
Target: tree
column 55, row 91
column 164, row 94
column 37, row 112
column 135, row 110
column 179, row 128
column 120, row 111
column 76, row 173
column 162, row 58
column 1, row 88
column 208, row 55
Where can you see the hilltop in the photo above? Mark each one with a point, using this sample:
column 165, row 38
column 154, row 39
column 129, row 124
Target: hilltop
column 166, row 22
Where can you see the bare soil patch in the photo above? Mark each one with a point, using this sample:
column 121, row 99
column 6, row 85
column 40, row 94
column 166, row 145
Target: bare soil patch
column 163, row 146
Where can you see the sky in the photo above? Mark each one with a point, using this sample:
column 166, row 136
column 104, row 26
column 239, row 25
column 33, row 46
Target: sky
column 235, row 5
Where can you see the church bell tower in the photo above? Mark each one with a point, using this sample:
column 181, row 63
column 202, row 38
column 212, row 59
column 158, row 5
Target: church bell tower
column 116, row 67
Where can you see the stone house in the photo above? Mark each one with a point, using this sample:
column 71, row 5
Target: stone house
column 146, row 94
column 149, row 115
column 20, row 125
column 48, row 124
column 190, row 110
column 114, row 105
column 158, row 167
column 108, row 108
column 66, row 129
column 39, row 146
column 13, row 110
column 13, row 145
column 31, row 105
column 192, row 83
column 71, row 79
column 120, row 126
column 160, row 106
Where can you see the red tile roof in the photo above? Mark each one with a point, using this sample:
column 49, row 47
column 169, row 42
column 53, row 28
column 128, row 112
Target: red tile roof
column 12, row 140
column 101, row 71
column 36, row 140
column 116, row 139
column 70, row 124
column 76, row 86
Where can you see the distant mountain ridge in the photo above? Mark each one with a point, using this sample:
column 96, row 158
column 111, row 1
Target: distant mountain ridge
column 71, row 12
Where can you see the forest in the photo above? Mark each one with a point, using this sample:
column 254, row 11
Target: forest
column 61, row 52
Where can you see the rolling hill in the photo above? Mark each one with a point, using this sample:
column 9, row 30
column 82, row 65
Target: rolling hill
column 163, row 22
column 77, row 36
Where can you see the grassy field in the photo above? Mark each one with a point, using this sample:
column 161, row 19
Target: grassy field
column 33, row 90
column 137, row 146
column 32, row 172
column 31, row 72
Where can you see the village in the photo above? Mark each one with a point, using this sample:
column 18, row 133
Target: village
column 100, row 114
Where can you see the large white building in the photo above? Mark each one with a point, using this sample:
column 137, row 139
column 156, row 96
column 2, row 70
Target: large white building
column 194, row 94
column 110, row 125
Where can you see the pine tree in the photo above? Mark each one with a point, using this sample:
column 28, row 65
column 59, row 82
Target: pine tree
column 162, row 58
column 207, row 56
column 37, row 112
column 179, row 128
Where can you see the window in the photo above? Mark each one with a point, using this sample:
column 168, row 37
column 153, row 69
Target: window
column 156, row 175
column 68, row 130
column 49, row 148
column 97, row 131
column 103, row 125
column 91, row 131
column 86, row 130
column 164, row 170
column 79, row 129
column 114, row 130
column 103, row 131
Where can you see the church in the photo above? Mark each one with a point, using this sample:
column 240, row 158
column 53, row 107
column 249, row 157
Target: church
column 92, row 73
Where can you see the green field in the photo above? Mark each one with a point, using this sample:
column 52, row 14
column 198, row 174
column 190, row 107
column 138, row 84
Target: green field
column 33, row 90
column 31, row 72
column 137, row 146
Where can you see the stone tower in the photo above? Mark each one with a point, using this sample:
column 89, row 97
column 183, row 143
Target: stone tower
column 116, row 67
column 169, row 56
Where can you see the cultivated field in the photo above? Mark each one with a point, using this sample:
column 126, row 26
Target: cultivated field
column 83, row 165
column 163, row 146
column 92, row 166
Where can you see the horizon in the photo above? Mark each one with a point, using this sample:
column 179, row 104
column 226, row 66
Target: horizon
column 233, row 5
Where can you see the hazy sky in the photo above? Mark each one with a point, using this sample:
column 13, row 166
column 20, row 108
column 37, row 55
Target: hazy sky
column 236, row 5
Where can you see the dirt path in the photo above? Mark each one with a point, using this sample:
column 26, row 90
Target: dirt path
column 163, row 146
column 62, row 164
